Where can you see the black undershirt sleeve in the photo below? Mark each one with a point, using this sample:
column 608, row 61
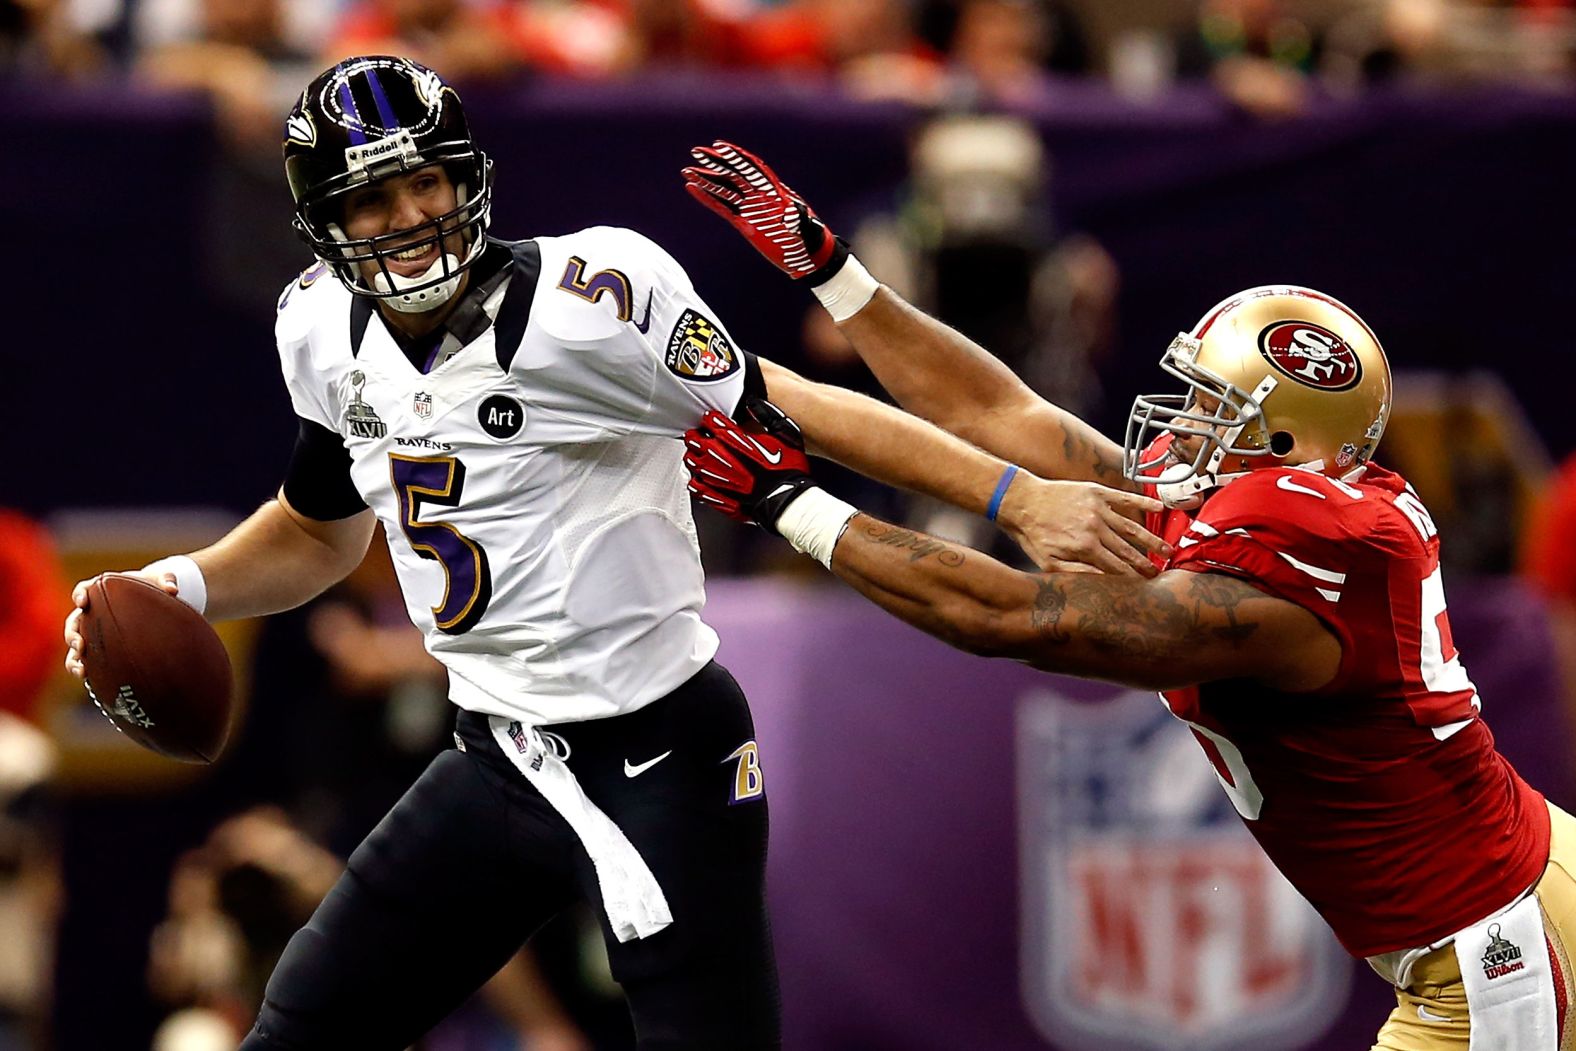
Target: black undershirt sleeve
column 754, row 384
column 317, row 483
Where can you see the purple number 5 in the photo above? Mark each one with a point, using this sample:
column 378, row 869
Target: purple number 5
column 440, row 480
column 602, row 283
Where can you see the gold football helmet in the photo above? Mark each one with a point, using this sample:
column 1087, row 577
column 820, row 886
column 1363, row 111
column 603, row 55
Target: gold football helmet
column 1277, row 375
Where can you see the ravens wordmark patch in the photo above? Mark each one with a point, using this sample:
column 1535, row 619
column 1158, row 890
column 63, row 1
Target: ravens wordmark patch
column 698, row 350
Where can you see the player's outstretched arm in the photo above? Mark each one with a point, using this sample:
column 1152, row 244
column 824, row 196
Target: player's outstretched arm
column 275, row 560
column 1059, row 524
column 931, row 369
column 935, row 371
column 1176, row 629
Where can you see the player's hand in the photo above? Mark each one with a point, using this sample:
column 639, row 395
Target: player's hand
column 739, row 186
column 750, row 476
column 1080, row 527
column 79, row 599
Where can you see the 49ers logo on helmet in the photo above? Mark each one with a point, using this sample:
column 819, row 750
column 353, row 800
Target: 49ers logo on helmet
column 1311, row 354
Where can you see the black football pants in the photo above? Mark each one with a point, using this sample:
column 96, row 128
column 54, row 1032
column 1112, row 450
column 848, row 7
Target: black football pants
column 473, row 860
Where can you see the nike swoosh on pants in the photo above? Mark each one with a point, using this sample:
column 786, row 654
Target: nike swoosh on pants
column 635, row 771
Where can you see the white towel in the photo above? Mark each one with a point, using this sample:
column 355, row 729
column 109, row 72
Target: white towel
column 631, row 896
column 1509, row 982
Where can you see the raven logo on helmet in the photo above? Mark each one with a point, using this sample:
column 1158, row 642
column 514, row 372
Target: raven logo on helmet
column 430, row 88
column 299, row 128
column 358, row 96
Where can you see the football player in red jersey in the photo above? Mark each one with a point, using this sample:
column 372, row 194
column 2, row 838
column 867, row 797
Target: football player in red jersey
column 1299, row 627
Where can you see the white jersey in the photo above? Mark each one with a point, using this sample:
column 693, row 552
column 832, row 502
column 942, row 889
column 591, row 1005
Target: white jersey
column 531, row 486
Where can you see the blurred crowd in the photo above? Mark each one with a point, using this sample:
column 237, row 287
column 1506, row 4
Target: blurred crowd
column 1266, row 55
column 350, row 707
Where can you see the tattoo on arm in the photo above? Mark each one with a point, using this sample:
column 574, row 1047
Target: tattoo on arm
column 1225, row 594
column 1050, row 605
column 921, row 546
column 1077, row 448
column 1138, row 619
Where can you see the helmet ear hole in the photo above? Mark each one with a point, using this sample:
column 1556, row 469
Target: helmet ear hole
column 1282, row 443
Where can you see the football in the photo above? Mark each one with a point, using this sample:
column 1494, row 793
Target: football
column 156, row 669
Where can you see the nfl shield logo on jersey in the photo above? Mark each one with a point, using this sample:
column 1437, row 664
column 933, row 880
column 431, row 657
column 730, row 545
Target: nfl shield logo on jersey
column 1151, row 920
column 421, row 405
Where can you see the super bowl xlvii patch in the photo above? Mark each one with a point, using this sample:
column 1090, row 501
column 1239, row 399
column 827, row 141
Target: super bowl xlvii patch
column 698, row 350
column 362, row 418
column 1509, row 980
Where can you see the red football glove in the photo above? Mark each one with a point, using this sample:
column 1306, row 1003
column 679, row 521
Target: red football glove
column 738, row 186
column 748, row 476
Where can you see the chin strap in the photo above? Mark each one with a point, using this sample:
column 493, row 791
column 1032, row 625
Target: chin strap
column 1188, row 491
column 1184, row 496
column 423, row 299
column 407, row 302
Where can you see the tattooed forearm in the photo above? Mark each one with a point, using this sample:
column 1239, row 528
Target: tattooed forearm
column 920, row 545
column 1225, row 594
column 1050, row 603
column 1079, row 449
column 1136, row 619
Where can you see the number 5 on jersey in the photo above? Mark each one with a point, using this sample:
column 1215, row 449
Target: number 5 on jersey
column 467, row 580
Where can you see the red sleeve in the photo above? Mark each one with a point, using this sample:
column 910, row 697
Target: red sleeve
column 34, row 601
column 1549, row 558
column 1294, row 537
column 1301, row 540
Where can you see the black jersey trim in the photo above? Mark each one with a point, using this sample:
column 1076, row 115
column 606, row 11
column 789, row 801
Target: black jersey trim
column 515, row 313
column 317, row 482
column 754, row 383
column 468, row 320
column 361, row 310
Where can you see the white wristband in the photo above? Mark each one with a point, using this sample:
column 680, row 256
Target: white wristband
column 846, row 292
column 814, row 522
column 192, row 587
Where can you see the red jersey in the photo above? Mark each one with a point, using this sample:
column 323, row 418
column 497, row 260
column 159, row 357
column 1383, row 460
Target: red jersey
column 1380, row 796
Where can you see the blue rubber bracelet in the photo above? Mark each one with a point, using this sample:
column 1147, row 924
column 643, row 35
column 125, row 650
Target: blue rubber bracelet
column 1001, row 491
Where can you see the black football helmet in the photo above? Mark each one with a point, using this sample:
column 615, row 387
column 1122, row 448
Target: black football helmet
column 363, row 120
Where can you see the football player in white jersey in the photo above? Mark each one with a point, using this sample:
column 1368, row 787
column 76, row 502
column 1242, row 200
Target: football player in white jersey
column 510, row 412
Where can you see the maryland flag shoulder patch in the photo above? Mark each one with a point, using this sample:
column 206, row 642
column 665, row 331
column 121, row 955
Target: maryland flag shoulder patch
column 697, row 349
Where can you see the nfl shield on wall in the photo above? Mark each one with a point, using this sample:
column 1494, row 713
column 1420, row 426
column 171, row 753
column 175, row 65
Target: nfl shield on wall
column 1150, row 919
